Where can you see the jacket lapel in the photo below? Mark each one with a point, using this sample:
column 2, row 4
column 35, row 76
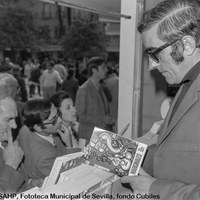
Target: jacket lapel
column 93, row 88
column 189, row 99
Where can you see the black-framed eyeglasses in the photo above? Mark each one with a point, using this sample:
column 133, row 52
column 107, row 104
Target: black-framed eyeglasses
column 54, row 119
column 152, row 52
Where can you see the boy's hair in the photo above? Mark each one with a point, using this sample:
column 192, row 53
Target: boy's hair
column 35, row 112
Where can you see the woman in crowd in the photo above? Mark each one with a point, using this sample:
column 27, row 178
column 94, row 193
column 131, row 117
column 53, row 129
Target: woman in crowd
column 65, row 104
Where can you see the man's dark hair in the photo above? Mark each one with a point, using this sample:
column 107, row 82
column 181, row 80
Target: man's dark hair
column 35, row 111
column 94, row 62
column 70, row 73
column 175, row 19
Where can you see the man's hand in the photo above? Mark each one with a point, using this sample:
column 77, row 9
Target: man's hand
column 12, row 153
column 65, row 135
column 141, row 183
column 36, row 182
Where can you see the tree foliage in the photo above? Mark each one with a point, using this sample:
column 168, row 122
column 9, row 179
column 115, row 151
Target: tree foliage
column 17, row 30
column 84, row 39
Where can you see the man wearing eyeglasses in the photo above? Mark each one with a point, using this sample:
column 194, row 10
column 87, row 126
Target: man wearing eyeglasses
column 42, row 138
column 171, row 38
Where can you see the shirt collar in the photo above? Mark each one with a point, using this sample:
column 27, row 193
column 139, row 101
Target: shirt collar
column 192, row 74
column 47, row 138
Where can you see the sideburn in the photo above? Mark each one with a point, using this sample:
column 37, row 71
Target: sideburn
column 177, row 52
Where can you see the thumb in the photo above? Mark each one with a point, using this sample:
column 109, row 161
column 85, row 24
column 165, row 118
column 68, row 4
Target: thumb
column 127, row 179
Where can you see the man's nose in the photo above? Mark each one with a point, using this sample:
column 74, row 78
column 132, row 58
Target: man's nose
column 13, row 124
column 152, row 65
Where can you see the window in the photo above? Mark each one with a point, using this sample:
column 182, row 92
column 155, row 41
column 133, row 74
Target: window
column 47, row 11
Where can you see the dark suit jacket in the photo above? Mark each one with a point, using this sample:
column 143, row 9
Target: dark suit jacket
column 176, row 156
column 10, row 179
column 176, row 162
column 39, row 153
column 91, row 110
column 71, row 87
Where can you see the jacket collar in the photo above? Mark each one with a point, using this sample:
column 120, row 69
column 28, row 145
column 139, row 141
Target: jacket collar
column 189, row 99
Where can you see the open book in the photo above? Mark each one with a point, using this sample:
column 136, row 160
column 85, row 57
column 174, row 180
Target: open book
column 115, row 153
column 62, row 164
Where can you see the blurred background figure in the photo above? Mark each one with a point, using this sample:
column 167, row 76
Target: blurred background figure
column 49, row 80
column 16, row 71
column 83, row 76
column 60, row 68
column 112, row 84
column 91, row 103
column 8, row 62
column 70, row 85
column 35, row 81
column 29, row 66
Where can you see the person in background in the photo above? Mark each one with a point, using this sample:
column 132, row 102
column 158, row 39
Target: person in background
column 22, row 85
column 42, row 138
column 111, row 82
column 8, row 62
column 171, row 38
column 65, row 104
column 35, row 80
column 28, row 68
column 83, row 76
column 91, row 103
column 60, row 68
column 49, row 80
column 70, row 85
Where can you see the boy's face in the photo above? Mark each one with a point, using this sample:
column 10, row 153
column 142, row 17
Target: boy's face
column 53, row 123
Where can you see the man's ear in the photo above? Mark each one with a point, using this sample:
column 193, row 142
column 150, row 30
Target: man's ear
column 37, row 128
column 189, row 45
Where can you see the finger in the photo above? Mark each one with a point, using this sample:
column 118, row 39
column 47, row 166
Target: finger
column 10, row 138
column 60, row 132
column 128, row 179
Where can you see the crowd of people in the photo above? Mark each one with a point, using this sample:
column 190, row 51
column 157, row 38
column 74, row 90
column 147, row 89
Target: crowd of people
column 37, row 129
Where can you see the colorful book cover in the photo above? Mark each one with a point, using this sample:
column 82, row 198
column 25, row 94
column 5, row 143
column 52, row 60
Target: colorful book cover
column 115, row 153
